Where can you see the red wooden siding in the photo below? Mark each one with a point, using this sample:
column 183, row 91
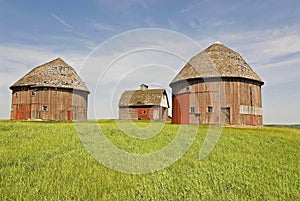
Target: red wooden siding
column 143, row 113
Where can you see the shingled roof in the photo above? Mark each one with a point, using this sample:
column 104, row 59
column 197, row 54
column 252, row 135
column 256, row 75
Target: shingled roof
column 141, row 97
column 217, row 61
column 56, row 73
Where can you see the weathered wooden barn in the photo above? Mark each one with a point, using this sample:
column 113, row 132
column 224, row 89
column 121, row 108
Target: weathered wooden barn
column 217, row 86
column 144, row 104
column 52, row 91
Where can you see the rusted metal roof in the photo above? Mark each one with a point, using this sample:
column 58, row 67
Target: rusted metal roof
column 56, row 73
column 217, row 61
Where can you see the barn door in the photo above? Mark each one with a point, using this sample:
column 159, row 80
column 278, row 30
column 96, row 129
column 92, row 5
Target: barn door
column 198, row 120
column 155, row 114
column 18, row 112
column 226, row 114
column 23, row 111
column 163, row 113
column 69, row 113
column 180, row 110
column 28, row 111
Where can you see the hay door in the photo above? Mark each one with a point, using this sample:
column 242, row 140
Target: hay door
column 226, row 114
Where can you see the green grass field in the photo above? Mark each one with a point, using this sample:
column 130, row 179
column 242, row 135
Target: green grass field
column 47, row 161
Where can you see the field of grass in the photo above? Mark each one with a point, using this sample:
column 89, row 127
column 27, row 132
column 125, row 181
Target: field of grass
column 47, row 161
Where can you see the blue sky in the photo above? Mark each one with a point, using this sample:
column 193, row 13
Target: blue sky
column 265, row 33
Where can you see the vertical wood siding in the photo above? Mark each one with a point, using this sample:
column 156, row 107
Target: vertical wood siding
column 225, row 97
column 49, row 104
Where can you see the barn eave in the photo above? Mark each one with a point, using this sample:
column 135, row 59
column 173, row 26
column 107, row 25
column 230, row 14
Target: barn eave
column 207, row 79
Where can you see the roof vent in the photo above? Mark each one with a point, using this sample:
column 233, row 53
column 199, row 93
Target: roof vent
column 218, row 42
column 144, row 87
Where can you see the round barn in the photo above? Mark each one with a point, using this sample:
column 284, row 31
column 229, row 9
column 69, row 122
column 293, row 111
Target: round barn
column 52, row 91
column 217, row 86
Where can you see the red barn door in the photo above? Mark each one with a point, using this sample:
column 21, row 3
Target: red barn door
column 69, row 115
column 144, row 113
column 180, row 111
column 23, row 111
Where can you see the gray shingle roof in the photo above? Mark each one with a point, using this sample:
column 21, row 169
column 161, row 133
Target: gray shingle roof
column 216, row 61
column 56, row 73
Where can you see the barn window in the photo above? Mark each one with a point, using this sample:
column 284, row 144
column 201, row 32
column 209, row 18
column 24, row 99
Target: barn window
column 210, row 109
column 187, row 89
column 33, row 93
column 144, row 112
column 192, row 109
column 45, row 108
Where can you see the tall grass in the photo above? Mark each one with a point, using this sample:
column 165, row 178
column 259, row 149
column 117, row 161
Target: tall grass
column 46, row 161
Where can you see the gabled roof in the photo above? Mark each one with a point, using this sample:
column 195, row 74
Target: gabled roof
column 149, row 97
column 217, row 61
column 56, row 73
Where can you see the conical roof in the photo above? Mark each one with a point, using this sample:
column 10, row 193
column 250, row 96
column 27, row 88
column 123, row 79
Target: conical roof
column 56, row 73
column 217, row 61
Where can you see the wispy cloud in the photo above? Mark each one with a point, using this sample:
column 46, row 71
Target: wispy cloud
column 144, row 4
column 194, row 24
column 124, row 4
column 103, row 26
column 61, row 21
column 191, row 7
